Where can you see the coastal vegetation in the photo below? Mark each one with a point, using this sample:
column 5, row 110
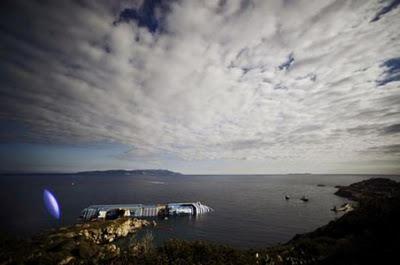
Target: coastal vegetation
column 367, row 235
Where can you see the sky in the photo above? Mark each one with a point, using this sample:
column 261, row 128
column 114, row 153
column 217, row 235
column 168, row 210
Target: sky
column 200, row 87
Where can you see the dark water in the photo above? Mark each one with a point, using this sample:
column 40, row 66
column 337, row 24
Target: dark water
column 250, row 211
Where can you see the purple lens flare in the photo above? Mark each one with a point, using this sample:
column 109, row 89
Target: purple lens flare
column 51, row 204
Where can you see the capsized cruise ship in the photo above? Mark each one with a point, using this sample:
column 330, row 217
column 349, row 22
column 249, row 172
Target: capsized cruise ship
column 141, row 210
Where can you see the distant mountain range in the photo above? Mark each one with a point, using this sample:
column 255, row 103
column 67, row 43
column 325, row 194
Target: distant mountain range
column 159, row 172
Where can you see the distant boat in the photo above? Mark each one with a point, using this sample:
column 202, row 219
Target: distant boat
column 304, row 198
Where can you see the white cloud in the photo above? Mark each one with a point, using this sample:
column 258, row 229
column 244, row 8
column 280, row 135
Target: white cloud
column 209, row 85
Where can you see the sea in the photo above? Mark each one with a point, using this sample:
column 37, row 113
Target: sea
column 250, row 211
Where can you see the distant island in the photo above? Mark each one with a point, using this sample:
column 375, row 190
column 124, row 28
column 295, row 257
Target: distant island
column 155, row 172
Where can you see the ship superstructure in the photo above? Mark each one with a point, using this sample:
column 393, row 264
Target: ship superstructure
column 114, row 211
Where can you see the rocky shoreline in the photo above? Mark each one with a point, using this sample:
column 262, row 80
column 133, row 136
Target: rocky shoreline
column 80, row 243
column 367, row 235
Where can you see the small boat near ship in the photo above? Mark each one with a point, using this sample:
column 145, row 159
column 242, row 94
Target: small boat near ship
column 304, row 198
column 115, row 211
column 346, row 207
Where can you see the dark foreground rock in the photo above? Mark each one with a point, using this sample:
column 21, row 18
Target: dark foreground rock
column 368, row 235
column 87, row 243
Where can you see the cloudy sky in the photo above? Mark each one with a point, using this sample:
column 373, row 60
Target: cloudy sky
column 213, row 86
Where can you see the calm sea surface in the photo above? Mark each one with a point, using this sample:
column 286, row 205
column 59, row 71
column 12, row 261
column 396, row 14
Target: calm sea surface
column 250, row 211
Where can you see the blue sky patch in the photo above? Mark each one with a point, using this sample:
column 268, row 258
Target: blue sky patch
column 286, row 65
column 392, row 72
column 392, row 5
column 145, row 16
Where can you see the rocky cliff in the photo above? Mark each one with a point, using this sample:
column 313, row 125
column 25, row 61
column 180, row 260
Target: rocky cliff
column 81, row 243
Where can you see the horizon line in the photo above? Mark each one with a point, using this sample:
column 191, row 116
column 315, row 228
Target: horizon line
column 11, row 172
